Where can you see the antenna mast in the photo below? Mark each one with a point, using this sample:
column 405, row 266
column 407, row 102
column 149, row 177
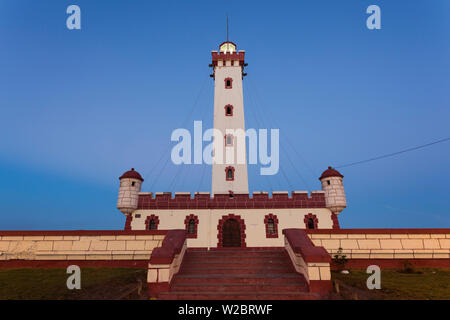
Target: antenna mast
column 227, row 28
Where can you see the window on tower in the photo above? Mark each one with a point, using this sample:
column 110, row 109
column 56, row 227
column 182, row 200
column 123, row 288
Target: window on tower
column 133, row 183
column 228, row 110
column 310, row 223
column 229, row 173
column 228, row 140
column 228, row 83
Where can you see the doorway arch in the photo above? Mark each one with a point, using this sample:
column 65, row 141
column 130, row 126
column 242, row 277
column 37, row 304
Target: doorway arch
column 231, row 232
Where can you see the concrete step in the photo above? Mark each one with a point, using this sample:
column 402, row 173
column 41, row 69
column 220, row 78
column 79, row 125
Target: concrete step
column 233, row 263
column 241, row 269
column 227, row 287
column 235, row 253
column 190, row 295
column 261, row 279
column 237, row 259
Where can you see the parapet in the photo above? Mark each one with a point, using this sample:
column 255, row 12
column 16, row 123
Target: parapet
column 204, row 200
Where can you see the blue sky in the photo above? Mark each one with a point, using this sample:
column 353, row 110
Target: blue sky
column 78, row 108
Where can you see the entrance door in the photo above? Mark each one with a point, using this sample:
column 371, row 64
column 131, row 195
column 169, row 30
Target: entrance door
column 231, row 233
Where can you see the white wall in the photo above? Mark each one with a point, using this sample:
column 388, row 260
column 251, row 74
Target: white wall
column 254, row 222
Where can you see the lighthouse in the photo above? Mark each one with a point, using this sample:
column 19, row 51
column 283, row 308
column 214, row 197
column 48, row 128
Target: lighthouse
column 229, row 173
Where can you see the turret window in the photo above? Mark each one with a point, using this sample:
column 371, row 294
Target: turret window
column 228, row 110
column 133, row 183
column 228, row 83
column 229, row 174
column 191, row 223
column 328, row 181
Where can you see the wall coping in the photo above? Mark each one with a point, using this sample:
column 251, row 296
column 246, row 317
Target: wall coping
column 171, row 246
column 80, row 232
column 302, row 244
column 379, row 231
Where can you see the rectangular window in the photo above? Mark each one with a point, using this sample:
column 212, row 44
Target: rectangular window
column 228, row 140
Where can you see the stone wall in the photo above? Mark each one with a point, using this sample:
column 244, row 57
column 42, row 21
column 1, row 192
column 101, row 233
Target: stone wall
column 432, row 245
column 78, row 245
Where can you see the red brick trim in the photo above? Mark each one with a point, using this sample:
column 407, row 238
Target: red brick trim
column 381, row 231
column 171, row 246
column 231, row 83
column 231, row 107
column 226, row 173
column 216, row 56
column 149, row 218
column 223, row 201
column 128, row 222
column 313, row 217
column 275, row 222
column 82, row 232
column 12, row 264
column 186, row 223
column 220, row 229
column 335, row 220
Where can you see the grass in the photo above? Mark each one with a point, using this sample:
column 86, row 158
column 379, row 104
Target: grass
column 111, row 283
column 50, row 284
column 412, row 284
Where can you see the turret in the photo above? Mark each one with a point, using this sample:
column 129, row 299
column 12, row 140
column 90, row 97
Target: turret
column 333, row 185
column 130, row 186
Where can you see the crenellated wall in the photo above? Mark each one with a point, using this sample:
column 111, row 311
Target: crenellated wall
column 204, row 200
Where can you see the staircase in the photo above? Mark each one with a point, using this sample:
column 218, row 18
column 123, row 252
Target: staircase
column 238, row 274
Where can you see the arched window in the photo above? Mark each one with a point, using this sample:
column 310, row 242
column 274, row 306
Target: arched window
column 271, row 222
column 191, row 226
column 151, row 223
column 311, row 221
column 271, row 226
column 229, row 174
column 191, row 223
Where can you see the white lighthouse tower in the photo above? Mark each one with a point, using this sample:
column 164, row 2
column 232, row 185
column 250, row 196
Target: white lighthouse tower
column 229, row 174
